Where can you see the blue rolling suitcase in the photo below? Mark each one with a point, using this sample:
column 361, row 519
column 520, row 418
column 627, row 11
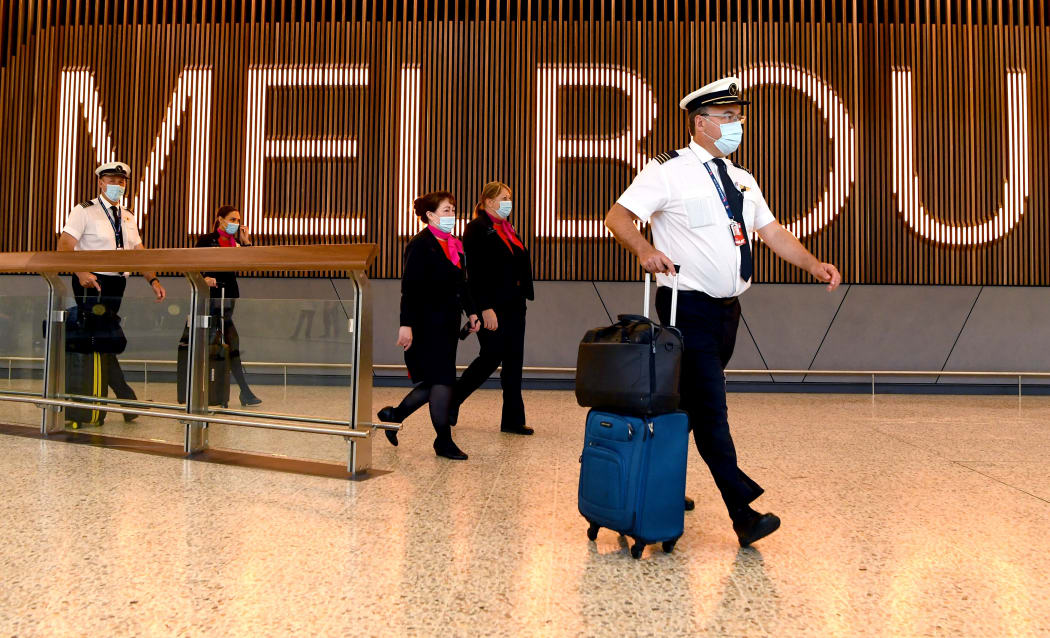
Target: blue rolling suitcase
column 632, row 476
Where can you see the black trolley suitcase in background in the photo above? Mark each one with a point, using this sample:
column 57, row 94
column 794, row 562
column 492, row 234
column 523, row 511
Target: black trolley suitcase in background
column 218, row 362
column 93, row 336
column 86, row 375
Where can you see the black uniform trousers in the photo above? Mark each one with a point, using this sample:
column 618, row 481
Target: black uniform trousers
column 709, row 333
column 506, row 346
column 112, row 295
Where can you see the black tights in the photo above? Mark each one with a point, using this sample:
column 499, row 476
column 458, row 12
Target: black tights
column 440, row 398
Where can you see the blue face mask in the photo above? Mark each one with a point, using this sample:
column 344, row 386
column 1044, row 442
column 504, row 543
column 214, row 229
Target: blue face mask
column 231, row 228
column 504, row 209
column 447, row 224
column 114, row 192
column 732, row 133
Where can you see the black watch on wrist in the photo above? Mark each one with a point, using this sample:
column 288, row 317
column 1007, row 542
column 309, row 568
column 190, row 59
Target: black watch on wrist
column 150, row 282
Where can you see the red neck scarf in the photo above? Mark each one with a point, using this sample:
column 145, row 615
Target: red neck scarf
column 506, row 232
column 226, row 239
column 453, row 247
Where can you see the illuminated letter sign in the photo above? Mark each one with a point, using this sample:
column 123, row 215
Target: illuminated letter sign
column 259, row 147
column 79, row 98
column 906, row 181
column 550, row 148
column 408, row 155
column 844, row 164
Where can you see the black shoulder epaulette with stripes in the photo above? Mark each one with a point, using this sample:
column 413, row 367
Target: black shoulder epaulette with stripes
column 87, row 203
column 742, row 168
column 666, row 157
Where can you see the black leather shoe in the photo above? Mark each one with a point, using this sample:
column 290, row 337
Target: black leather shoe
column 516, row 429
column 689, row 504
column 250, row 399
column 128, row 418
column 449, row 450
column 387, row 415
column 756, row 528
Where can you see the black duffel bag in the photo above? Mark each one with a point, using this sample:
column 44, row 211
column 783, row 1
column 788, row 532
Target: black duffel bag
column 632, row 367
column 91, row 327
column 94, row 329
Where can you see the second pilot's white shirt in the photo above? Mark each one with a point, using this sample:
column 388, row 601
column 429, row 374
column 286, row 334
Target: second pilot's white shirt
column 89, row 224
column 689, row 222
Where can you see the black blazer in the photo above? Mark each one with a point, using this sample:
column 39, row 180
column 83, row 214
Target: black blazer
column 226, row 281
column 497, row 275
column 433, row 290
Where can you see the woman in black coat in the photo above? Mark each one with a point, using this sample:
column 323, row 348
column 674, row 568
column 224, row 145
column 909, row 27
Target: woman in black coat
column 434, row 297
column 500, row 276
column 228, row 233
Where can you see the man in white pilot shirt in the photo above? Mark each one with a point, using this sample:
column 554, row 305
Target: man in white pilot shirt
column 103, row 224
column 703, row 209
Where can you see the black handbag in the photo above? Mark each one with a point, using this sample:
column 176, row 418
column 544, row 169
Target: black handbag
column 91, row 327
column 632, row 367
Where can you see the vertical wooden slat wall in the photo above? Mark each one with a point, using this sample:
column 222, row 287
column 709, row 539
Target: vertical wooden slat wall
column 957, row 193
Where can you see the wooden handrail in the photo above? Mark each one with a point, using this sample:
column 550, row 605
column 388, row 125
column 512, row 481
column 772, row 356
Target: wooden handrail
column 301, row 258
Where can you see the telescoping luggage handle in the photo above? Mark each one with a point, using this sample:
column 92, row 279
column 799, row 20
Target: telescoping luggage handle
column 674, row 295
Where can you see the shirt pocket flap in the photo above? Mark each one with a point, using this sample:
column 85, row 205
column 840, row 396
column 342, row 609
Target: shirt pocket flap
column 100, row 227
column 702, row 211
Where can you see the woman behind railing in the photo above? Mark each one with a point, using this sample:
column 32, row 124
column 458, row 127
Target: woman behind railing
column 228, row 233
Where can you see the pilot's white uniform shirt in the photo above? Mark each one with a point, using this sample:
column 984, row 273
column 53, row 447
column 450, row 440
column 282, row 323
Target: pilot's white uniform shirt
column 689, row 222
column 89, row 223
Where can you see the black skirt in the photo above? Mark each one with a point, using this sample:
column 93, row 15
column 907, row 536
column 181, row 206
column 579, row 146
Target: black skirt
column 432, row 357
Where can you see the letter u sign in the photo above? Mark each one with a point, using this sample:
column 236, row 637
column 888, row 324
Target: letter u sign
column 906, row 180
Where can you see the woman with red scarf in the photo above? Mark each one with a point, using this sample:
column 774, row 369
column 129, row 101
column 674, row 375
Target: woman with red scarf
column 434, row 297
column 231, row 234
column 499, row 272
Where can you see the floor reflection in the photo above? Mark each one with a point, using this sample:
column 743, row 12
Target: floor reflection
column 915, row 516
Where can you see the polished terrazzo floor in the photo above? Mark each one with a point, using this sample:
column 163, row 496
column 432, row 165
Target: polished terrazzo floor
column 903, row 516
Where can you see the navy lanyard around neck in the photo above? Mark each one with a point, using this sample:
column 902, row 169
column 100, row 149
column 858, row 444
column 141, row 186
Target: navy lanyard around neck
column 115, row 221
column 721, row 191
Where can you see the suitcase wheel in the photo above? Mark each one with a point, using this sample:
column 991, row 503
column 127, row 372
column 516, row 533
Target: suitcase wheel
column 669, row 546
column 592, row 531
column 636, row 549
column 73, row 425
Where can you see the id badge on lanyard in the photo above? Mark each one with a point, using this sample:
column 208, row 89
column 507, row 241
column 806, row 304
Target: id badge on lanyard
column 735, row 228
column 738, row 233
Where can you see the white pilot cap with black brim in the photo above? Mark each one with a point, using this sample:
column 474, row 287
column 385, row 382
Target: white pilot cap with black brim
column 114, row 168
column 717, row 93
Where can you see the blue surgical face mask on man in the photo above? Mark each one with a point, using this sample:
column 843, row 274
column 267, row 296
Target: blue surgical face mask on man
column 231, row 228
column 114, row 192
column 446, row 224
column 732, row 133
column 504, row 209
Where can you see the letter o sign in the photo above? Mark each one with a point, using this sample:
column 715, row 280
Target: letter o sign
column 840, row 130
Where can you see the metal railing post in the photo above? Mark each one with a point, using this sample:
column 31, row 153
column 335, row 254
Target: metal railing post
column 197, row 370
column 53, row 419
column 360, row 326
